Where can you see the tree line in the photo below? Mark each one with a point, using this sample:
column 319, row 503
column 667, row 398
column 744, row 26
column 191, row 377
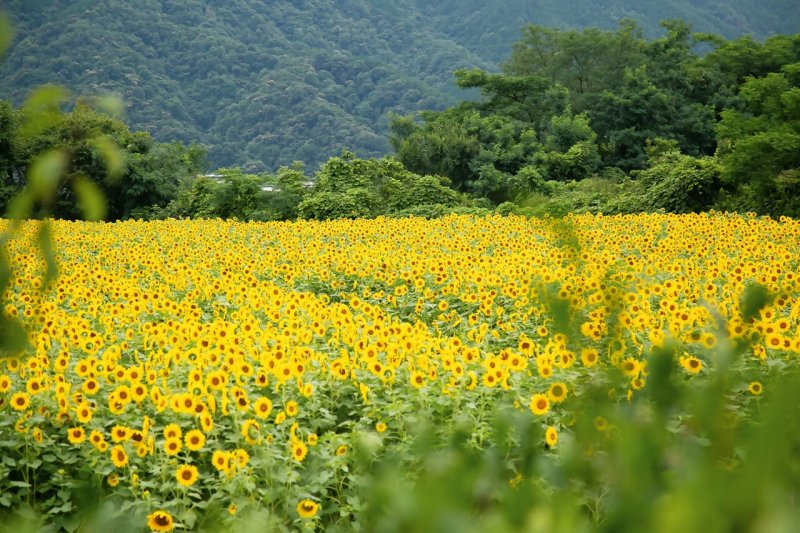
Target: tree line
column 576, row 120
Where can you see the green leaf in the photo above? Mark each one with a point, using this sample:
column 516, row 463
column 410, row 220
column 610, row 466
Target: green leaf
column 91, row 201
column 113, row 157
column 45, row 173
column 755, row 298
column 13, row 337
column 45, row 239
column 42, row 109
column 72, row 522
column 190, row 518
column 6, row 33
column 21, row 206
column 110, row 105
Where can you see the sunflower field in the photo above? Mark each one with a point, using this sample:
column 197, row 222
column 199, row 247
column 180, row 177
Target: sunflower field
column 632, row 373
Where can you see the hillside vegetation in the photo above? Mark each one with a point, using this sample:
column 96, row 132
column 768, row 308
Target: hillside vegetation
column 265, row 83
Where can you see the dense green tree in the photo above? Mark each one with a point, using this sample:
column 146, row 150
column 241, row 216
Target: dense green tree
column 483, row 153
column 442, row 146
column 737, row 59
column 411, row 191
column 527, row 98
column 586, row 62
column 238, row 195
column 759, row 146
column 679, row 183
column 9, row 179
column 640, row 110
column 134, row 174
column 283, row 200
column 350, row 187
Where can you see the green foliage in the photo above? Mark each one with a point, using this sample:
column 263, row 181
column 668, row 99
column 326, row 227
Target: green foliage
column 198, row 200
column 228, row 193
column 431, row 211
column 594, row 195
column 83, row 156
column 349, row 187
column 575, row 104
column 586, row 62
column 265, row 83
column 260, row 84
column 678, row 183
column 760, row 144
column 326, row 205
column 413, row 190
column 290, row 189
column 494, row 155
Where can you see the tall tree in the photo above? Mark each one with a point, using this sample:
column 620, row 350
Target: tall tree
column 759, row 146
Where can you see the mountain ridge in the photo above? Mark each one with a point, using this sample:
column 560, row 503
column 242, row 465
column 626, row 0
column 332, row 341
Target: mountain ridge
column 265, row 84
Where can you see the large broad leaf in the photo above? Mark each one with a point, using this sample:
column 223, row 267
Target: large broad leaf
column 45, row 174
column 754, row 299
column 112, row 155
column 90, row 198
column 6, row 34
column 110, row 104
column 42, row 110
column 45, row 239
column 12, row 336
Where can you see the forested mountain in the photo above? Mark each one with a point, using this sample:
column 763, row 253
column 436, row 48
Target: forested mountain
column 265, row 83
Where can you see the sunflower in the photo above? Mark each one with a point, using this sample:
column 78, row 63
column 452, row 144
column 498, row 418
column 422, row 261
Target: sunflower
column 589, row 357
column 540, row 404
column 207, row 422
column 138, row 392
column 417, row 379
column 5, row 383
column 307, row 508
column 84, row 413
column 120, row 433
column 299, row 450
column 755, row 388
column 692, row 364
column 160, row 521
column 380, row 427
column 187, row 475
column 194, row 440
column 557, row 392
column 341, row 450
column 291, row 408
column 250, row 431
column 262, row 407
column 76, row 435
column 118, row 456
column 241, row 457
column 172, row 446
column 112, row 479
column 631, row 367
column 221, row 460
column 20, row 401
column 551, row 437
column 173, row 431
column 33, row 386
